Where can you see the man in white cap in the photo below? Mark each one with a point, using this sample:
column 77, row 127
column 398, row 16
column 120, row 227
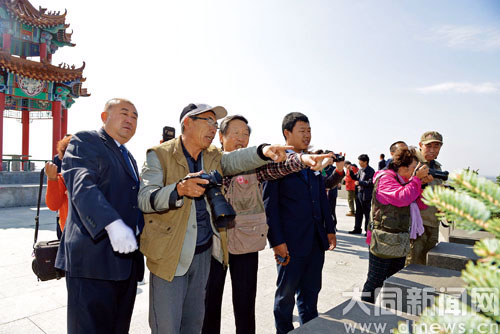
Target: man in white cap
column 179, row 235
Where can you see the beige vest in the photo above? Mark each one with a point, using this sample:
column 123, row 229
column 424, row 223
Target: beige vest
column 166, row 234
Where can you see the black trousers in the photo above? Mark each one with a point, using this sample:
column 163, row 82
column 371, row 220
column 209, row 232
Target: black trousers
column 363, row 208
column 58, row 229
column 333, row 205
column 298, row 283
column 101, row 306
column 379, row 270
column 243, row 269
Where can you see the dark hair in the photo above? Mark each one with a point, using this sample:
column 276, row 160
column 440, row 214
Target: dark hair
column 290, row 119
column 382, row 155
column 394, row 145
column 224, row 125
column 403, row 157
column 364, row 157
column 319, row 152
column 347, row 162
column 62, row 145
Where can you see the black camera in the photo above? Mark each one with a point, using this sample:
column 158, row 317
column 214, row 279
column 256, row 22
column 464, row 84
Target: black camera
column 222, row 211
column 438, row 174
column 168, row 133
column 338, row 157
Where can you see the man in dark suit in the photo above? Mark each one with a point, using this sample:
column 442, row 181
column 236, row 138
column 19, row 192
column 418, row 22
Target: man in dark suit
column 364, row 184
column 301, row 228
column 382, row 162
column 98, row 249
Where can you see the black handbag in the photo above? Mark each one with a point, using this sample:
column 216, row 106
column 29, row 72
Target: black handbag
column 44, row 252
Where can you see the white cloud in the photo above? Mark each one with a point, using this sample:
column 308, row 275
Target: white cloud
column 462, row 87
column 469, row 37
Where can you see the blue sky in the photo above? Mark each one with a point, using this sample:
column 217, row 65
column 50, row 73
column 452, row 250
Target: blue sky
column 367, row 73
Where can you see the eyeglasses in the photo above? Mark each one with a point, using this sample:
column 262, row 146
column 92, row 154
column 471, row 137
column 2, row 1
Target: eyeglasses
column 210, row 121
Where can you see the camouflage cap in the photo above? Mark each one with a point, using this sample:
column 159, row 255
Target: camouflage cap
column 430, row 137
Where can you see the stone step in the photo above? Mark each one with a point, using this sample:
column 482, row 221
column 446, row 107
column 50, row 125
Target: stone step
column 459, row 236
column 356, row 316
column 453, row 256
column 14, row 195
column 20, row 178
column 416, row 286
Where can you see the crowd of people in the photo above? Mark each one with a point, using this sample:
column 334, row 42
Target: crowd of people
column 173, row 214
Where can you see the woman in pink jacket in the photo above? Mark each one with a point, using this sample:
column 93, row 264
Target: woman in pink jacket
column 394, row 210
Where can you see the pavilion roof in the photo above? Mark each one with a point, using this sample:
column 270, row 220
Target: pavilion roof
column 64, row 37
column 24, row 11
column 41, row 70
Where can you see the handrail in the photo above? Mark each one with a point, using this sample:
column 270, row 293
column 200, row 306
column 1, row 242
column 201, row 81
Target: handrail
column 26, row 160
column 10, row 161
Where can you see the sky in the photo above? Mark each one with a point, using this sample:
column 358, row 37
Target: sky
column 366, row 73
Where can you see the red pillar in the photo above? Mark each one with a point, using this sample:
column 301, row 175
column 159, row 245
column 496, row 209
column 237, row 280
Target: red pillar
column 43, row 51
column 56, row 125
column 6, row 42
column 26, row 133
column 2, row 108
column 49, row 58
column 64, row 122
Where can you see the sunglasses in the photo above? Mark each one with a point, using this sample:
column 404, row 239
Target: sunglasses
column 210, row 121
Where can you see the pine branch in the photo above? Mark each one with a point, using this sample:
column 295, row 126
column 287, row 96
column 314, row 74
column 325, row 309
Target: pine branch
column 488, row 250
column 475, row 204
column 482, row 281
column 478, row 187
column 457, row 206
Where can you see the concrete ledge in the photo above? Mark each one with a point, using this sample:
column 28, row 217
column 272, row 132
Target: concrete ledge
column 355, row 316
column 451, row 256
column 416, row 286
column 20, row 195
column 465, row 237
column 20, row 178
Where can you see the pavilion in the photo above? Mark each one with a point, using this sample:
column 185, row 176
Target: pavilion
column 29, row 89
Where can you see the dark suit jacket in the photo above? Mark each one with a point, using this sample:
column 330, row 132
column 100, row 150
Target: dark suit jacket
column 365, row 178
column 297, row 212
column 382, row 164
column 101, row 189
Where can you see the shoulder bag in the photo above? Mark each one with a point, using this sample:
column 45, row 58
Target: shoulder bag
column 44, row 252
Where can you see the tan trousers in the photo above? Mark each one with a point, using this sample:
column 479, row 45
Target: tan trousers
column 350, row 200
column 422, row 245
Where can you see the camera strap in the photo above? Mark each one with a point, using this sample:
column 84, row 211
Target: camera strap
column 37, row 217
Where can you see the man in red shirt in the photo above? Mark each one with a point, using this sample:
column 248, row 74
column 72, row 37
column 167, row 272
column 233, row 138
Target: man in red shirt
column 350, row 187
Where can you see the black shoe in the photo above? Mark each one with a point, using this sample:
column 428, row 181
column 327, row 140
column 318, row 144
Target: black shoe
column 354, row 232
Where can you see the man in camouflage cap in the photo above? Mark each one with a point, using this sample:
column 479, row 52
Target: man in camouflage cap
column 430, row 144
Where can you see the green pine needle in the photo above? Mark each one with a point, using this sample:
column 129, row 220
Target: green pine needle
column 457, row 206
column 478, row 187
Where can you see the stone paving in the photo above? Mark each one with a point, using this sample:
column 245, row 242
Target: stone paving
column 29, row 306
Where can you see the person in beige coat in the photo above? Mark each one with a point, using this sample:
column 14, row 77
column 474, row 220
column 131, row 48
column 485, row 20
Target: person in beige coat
column 179, row 236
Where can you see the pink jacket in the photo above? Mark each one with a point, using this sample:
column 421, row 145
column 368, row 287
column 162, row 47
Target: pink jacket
column 390, row 191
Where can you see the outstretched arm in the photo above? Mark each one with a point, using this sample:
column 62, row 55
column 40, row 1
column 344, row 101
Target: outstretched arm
column 293, row 163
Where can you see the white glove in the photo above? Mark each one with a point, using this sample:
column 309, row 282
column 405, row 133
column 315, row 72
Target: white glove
column 122, row 237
